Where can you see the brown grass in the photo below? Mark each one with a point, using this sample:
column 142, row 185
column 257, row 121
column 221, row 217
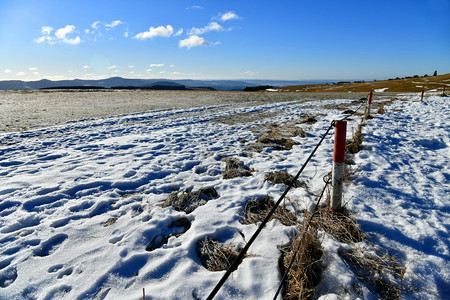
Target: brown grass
column 381, row 271
column 407, row 85
column 305, row 273
column 189, row 201
column 216, row 256
column 235, row 168
column 341, row 226
column 285, row 178
column 278, row 137
column 256, row 209
column 381, row 110
column 354, row 144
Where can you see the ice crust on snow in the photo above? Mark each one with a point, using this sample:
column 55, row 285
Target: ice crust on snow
column 80, row 201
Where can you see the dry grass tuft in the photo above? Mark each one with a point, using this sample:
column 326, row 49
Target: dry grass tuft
column 277, row 141
column 256, row 209
column 278, row 137
column 341, row 226
column 285, row 178
column 308, row 119
column 189, row 201
column 235, row 168
column 305, row 273
column 382, row 272
column 354, row 144
column 381, row 110
column 216, row 256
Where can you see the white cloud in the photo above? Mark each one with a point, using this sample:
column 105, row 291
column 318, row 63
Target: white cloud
column 62, row 32
column 113, row 24
column 193, row 41
column 229, row 16
column 86, row 67
column 61, row 35
column 179, row 32
column 213, row 26
column 46, row 30
column 21, row 74
column 156, row 65
column 95, row 24
column 195, row 7
column 113, row 67
column 32, row 69
column 7, row 71
column 148, row 70
column 155, row 32
column 131, row 67
column 249, row 73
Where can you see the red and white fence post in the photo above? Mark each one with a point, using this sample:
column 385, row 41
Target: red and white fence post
column 369, row 103
column 337, row 180
column 421, row 96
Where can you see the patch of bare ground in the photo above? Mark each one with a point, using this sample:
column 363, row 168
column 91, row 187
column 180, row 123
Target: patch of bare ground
column 235, row 168
column 257, row 208
column 216, row 256
column 189, row 201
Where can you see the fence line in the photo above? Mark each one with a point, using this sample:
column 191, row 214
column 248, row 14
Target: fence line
column 236, row 262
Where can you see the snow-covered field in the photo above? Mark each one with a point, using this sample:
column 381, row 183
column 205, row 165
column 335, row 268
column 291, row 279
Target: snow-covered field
column 80, row 202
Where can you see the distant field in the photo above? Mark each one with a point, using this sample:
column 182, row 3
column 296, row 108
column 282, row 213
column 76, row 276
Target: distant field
column 407, row 85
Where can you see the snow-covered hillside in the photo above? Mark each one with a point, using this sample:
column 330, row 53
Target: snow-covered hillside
column 80, row 203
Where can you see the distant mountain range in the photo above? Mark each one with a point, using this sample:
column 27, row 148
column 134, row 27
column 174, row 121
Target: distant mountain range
column 166, row 84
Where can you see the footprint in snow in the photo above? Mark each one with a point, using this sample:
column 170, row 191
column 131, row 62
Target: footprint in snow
column 177, row 228
column 50, row 245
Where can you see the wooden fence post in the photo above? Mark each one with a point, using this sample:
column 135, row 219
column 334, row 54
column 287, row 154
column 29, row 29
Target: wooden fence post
column 421, row 96
column 340, row 130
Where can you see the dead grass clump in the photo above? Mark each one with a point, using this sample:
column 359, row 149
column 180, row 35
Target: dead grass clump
column 235, row 168
column 285, row 178
column 382, row 273
column 278, row 137
column 308, row 119
column 381, row 110
column 354, row 144
column 277, row 141
column 341, row 226
column 306, row 271
column 216, row 256
column 189, row 201
column 256, row 209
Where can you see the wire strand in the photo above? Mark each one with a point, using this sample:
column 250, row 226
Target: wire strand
column 265, row 221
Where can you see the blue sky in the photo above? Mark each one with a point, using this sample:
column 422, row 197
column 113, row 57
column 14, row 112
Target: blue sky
column 291, row 40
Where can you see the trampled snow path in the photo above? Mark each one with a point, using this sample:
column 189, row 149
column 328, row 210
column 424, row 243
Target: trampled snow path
column 80, row 202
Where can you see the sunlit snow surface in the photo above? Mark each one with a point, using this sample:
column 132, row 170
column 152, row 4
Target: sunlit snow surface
column 61, row 185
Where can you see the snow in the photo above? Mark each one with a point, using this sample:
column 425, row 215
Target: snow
column 81, row 201
column 380, row 90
